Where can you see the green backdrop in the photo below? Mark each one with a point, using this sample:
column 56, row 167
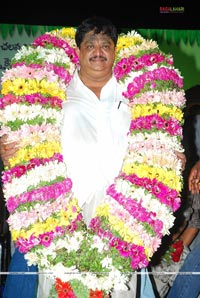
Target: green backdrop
column 184, row 45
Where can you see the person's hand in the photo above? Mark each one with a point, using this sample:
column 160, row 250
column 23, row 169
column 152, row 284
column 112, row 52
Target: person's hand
column 194, row 178
column 181, row 156
column 7, row 150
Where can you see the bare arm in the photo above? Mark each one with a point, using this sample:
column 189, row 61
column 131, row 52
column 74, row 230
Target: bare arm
column 181, row 156
column 7, row 150
column 194, row 178
column 188, row 235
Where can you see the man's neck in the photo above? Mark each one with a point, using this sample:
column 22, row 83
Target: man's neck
column 95, row 84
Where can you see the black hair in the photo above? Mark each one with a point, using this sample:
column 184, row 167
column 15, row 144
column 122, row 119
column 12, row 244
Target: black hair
column 98, row 25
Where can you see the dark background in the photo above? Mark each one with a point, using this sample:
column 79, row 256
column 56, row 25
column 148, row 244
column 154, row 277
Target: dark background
column 124, row 14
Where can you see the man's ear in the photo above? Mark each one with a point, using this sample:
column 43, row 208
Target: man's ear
column 77, row 51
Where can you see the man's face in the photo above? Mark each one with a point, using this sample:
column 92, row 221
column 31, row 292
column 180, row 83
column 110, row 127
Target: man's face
column 96, row 53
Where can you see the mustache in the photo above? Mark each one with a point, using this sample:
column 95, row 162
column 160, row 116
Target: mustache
column 98, row 57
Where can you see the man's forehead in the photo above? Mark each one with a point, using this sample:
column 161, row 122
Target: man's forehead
column 91, row 36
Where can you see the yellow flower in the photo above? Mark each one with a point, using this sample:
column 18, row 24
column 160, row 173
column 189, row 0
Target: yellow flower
column 40, row 150
column 64, row 33
column 103, row 210
column 16, row 86
column 72, row 205
column 159, row 109
column 51, row 88
column 142, row 170
column 124, row 231
column 128, row 40
column 148, row 252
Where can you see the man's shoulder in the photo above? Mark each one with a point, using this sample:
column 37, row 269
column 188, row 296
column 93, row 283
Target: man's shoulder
column 73, row 81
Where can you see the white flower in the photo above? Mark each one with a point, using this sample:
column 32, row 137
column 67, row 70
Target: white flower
column 64, row 273
column 106, row 262
column 32, row 258
column 98, row 243
column 74, row 242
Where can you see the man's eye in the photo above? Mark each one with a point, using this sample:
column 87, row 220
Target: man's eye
column 106, row 47
column 90, row 46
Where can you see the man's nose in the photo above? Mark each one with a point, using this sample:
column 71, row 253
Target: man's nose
column 98, row 50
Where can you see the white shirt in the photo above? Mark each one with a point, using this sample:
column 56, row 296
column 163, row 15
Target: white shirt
column 94, row 140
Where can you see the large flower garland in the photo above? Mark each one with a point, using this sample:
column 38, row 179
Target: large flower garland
column 45, row 220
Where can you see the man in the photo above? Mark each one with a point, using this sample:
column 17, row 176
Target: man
column 93, row 145
column 194, row 178
column 187, row 282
